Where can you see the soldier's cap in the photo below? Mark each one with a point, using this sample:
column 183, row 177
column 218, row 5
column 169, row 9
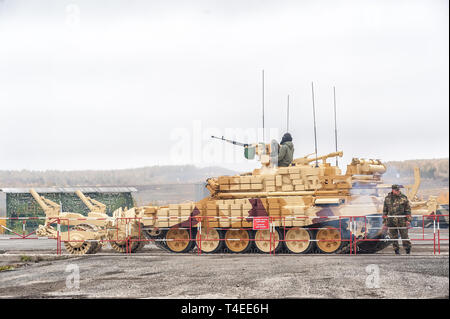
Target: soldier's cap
column 395, row 187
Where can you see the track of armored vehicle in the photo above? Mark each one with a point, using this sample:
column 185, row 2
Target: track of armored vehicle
column 220, row 245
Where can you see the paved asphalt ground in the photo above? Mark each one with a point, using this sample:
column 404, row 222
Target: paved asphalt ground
column 36, row 272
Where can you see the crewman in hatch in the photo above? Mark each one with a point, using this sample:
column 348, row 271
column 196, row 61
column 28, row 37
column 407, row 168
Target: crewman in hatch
column 286, row 151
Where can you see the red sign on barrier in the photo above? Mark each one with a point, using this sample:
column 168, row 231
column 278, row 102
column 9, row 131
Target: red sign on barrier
column 260, row 223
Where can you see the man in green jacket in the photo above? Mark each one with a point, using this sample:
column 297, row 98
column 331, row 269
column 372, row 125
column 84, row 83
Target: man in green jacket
column 286, row 153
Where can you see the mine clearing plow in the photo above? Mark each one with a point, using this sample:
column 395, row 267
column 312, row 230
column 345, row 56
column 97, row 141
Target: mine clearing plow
column 88, row 234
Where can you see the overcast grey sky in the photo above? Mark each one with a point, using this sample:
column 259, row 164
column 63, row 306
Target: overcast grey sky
column 112, row 84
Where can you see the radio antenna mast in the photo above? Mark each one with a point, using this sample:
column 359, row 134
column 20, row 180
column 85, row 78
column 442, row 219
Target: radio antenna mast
column 287, row 120
column 314, row 117
column 335, row 125
column 264, row 138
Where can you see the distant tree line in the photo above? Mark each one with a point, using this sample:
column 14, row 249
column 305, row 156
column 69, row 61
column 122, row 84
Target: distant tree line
column 122, row 177
column 432, row 169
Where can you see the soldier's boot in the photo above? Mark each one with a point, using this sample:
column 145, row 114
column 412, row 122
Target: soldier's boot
column 405, row 240
column 396, row 247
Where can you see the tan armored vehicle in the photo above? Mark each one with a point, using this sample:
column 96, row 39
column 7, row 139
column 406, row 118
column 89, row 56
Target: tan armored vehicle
column 310, row 206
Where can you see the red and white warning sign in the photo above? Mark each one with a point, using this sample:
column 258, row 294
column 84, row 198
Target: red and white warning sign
column 260, row 223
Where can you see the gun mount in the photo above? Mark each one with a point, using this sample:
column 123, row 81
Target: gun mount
column 267, row 153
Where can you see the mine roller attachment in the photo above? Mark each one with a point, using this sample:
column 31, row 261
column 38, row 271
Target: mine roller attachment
column 132, row 245
column 238, row 240
column 328, row 239
column 178, row 240
column 299, row 240
column 209, row 240
column 77, row 243
column 267, row 241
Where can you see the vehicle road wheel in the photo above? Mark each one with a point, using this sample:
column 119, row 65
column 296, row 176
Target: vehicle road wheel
column 267, row 242
column 178, row 240
column 209, row 240
column 298, row 240
column 238, row 240
column 328, row 240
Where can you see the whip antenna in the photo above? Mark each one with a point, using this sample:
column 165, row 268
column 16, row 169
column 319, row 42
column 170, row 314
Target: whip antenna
column 264, row 138
column 314, row 117
column 287, row 120
column 335, row 125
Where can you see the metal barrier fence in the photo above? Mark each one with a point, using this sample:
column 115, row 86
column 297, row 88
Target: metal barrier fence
column 198, row 230
column 23, row 221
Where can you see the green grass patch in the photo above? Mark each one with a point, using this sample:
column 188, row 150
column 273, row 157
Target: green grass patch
column 25, row 258
column 6, row 268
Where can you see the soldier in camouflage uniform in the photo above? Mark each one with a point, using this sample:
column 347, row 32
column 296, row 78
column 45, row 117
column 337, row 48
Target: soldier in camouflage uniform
column 397, row 204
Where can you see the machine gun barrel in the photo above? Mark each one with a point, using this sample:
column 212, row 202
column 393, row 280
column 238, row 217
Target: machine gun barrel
column 230, row 141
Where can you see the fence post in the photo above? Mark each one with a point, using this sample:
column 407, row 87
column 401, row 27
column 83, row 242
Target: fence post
column 199, row 234
column 58, row 239
column 356, row 238
column 439, row 238
column 434, row 234
column 351, row 235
